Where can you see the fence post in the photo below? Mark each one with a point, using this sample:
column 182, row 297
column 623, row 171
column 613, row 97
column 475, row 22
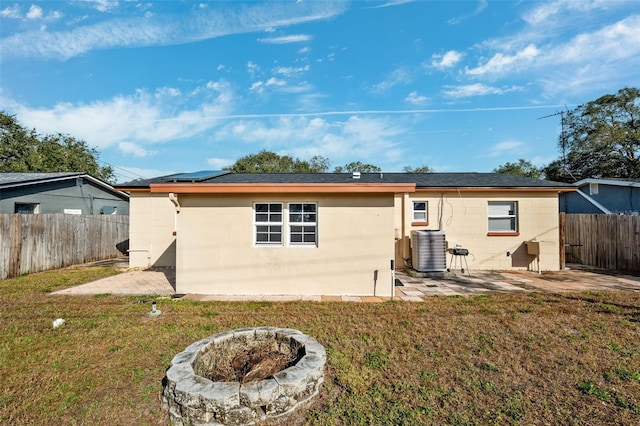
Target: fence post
column 15, row 246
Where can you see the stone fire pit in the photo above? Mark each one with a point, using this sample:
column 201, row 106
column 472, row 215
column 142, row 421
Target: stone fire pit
column 244, row 376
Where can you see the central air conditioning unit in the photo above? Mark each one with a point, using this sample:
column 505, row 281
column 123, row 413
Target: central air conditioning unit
column 428, row 251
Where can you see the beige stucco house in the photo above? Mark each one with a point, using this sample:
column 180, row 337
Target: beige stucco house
column 334, row 234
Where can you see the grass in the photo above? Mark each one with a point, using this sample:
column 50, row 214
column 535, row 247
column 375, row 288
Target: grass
column 504, row 359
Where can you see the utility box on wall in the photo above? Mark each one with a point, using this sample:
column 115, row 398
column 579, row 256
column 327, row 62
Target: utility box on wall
column 533, row 247
column 428, row 251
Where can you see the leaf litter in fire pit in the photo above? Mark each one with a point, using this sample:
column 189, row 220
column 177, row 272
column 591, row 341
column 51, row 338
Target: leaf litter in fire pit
column 251, row 365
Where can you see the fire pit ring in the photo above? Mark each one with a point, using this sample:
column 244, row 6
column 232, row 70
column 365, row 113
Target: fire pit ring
column 193, row 399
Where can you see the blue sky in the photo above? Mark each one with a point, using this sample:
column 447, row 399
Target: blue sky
column 173, row 86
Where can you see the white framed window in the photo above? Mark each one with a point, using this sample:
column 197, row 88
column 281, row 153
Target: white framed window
column 419, row 211
column 268, row 223
column 27, row 208
column 503, row 216
column 303, row 223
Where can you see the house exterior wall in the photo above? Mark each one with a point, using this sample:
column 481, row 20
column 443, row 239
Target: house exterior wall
column 572, row 202
column 464, row 218
column 54, row 197
column 616, row 198
column 151, row 224
column 216, row 253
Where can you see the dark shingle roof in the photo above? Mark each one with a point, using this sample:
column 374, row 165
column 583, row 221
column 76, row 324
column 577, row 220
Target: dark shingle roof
column 16, row 180
column 422, row 180
column 12, row 178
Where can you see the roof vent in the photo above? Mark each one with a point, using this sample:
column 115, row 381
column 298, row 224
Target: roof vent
column 356, row 175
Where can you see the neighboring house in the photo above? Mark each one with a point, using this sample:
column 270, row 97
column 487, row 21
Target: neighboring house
column 608, row 196
column 72, row 193
column 333, row 234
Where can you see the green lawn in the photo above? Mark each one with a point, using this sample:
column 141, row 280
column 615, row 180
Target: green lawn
column 501, row 359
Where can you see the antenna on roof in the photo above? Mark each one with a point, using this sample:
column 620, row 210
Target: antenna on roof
column 563, row 140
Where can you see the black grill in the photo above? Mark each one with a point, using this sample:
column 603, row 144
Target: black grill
column 460, row 252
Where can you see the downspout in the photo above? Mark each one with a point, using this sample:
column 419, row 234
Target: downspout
column 174, row 199
column 405, row 235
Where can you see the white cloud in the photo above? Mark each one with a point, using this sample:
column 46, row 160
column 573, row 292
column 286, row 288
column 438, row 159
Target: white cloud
column 291, row 71
column 168, row 92
column 391, row 3
column 544, row 12
column 482, row 5
column 502, row 63
column 219, row 163
column 283, row 85
column 617, row 41
column 357, row 138
column 140, row 119
column 565, row 47
column 12, row 12
column 448, row 60
column 397, row 76
column 573, row 81
column 133, row 149
column 257, row 87
column 504, row 148
column 253, row 68
column 582, row 63
column 297, row 38
column 103, row 5
column 415, row 99
column 159, row 30
column 476, row 89
column 35, row 12
column 275, row 82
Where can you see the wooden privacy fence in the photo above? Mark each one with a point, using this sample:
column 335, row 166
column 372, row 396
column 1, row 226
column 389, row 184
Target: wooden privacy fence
column 38, row 242
column 603, row 240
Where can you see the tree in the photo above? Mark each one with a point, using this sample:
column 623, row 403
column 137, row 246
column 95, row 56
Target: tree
column 319, row 164
column 600, row 139
column 421, row 169
column 270, row 162
column 23, row 150
column 357, row 166
column 521, row 168
column 17, row 153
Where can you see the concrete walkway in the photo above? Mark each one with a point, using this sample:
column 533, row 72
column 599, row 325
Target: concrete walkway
column 161, row 281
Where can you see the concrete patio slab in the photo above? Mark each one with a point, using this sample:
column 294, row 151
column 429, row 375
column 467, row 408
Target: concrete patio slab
column 153, row 281
column 161, row 282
